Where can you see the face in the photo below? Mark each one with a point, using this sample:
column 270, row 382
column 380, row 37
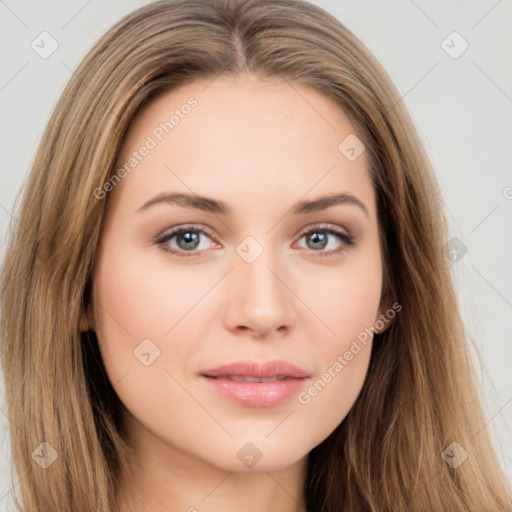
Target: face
column 183, row 287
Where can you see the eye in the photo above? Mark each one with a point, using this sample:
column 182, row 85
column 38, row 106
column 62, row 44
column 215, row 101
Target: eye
column 188, row 240
column 187, row 237
column 319, row 237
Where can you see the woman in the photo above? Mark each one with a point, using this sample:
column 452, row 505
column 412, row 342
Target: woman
column 300, row 357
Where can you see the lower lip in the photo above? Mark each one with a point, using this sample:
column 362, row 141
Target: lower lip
column 256, row 394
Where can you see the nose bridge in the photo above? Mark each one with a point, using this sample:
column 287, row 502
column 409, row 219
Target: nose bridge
column 258, row 296
column 257, row 264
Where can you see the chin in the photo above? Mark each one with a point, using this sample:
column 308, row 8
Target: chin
column 260, row 454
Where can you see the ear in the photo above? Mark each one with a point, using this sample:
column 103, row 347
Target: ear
column 386, row 315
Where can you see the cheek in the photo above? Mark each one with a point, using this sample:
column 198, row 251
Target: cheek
column 348, row 301
column 145, row 297
column 144, row 316
column 135, row 303
column 349, row 308
column 145, row 305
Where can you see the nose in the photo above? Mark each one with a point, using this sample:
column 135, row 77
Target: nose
column 259, row 298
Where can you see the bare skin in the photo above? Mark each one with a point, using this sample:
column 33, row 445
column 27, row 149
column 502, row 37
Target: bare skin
column 260, row 147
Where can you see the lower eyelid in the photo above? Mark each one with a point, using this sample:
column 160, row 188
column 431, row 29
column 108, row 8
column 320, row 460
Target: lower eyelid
column 164, row 239
column 345, row 239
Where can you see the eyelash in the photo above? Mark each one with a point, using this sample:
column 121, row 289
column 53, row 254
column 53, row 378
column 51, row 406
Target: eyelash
column 346, row 239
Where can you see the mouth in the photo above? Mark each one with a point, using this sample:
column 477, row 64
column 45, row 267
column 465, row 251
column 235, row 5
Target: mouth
column 249, row 378
column 275, row 369
column 252, row 384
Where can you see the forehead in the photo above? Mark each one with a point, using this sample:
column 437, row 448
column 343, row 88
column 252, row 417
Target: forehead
column 243, row 107
column 250, row 140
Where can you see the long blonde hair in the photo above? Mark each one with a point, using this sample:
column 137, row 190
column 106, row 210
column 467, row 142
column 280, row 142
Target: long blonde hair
column 420, row 393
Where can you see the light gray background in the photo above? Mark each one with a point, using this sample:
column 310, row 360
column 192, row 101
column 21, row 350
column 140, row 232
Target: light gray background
column 462, row 107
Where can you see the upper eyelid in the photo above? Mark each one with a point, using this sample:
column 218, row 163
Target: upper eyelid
column 172, row 232
column 347, row 239
column 185, row 227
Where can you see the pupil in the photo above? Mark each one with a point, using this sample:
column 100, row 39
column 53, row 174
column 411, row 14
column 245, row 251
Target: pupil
column 189, row 237
column 315, row 238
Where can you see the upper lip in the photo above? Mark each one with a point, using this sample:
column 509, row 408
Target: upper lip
column 274, row 368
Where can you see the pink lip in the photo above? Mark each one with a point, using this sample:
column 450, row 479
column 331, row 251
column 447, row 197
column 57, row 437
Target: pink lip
column 255, row 369
column 256, row 394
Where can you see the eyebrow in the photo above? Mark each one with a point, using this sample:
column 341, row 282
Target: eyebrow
column 216, row 206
